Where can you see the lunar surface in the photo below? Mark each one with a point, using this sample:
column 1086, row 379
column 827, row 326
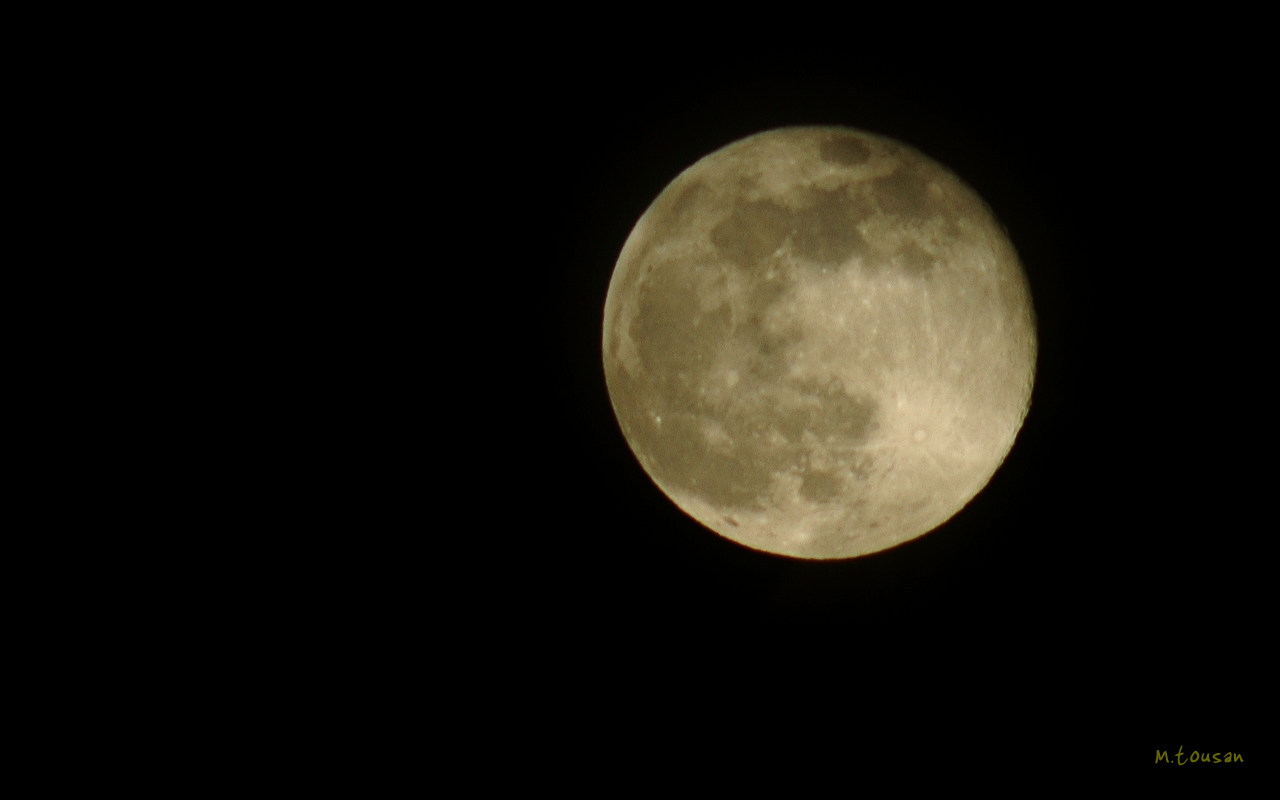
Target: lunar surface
column 819, row 343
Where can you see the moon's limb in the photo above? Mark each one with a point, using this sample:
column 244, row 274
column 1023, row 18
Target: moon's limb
column 819, row 343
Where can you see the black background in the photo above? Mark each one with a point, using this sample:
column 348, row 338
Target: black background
column 388, row 479
column 1101, row 597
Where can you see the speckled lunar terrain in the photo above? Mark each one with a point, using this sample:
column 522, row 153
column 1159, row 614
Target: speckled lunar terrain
column 819, row 343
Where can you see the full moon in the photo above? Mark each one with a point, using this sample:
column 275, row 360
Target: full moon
column 819, row 342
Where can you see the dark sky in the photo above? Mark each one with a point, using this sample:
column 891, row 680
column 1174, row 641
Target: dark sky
column 1103, row 593
column 403, row 512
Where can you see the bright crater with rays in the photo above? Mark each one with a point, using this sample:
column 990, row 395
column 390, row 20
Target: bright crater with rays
column 818, row 342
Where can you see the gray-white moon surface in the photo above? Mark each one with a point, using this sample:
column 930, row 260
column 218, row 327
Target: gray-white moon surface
column 818, row 342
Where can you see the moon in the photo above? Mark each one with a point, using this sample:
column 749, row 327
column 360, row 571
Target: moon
column 819, row 342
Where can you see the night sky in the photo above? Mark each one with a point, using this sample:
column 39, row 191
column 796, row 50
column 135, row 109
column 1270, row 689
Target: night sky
column 339, row 290
column 1103, row 593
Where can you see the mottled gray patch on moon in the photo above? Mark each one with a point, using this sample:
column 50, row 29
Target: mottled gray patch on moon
column 905, row 192
column 674, row 335
column 827, row 231
column 846, row 150
column 820, row 486
column 790, row 402
column 913, row 258
column 751, row 232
